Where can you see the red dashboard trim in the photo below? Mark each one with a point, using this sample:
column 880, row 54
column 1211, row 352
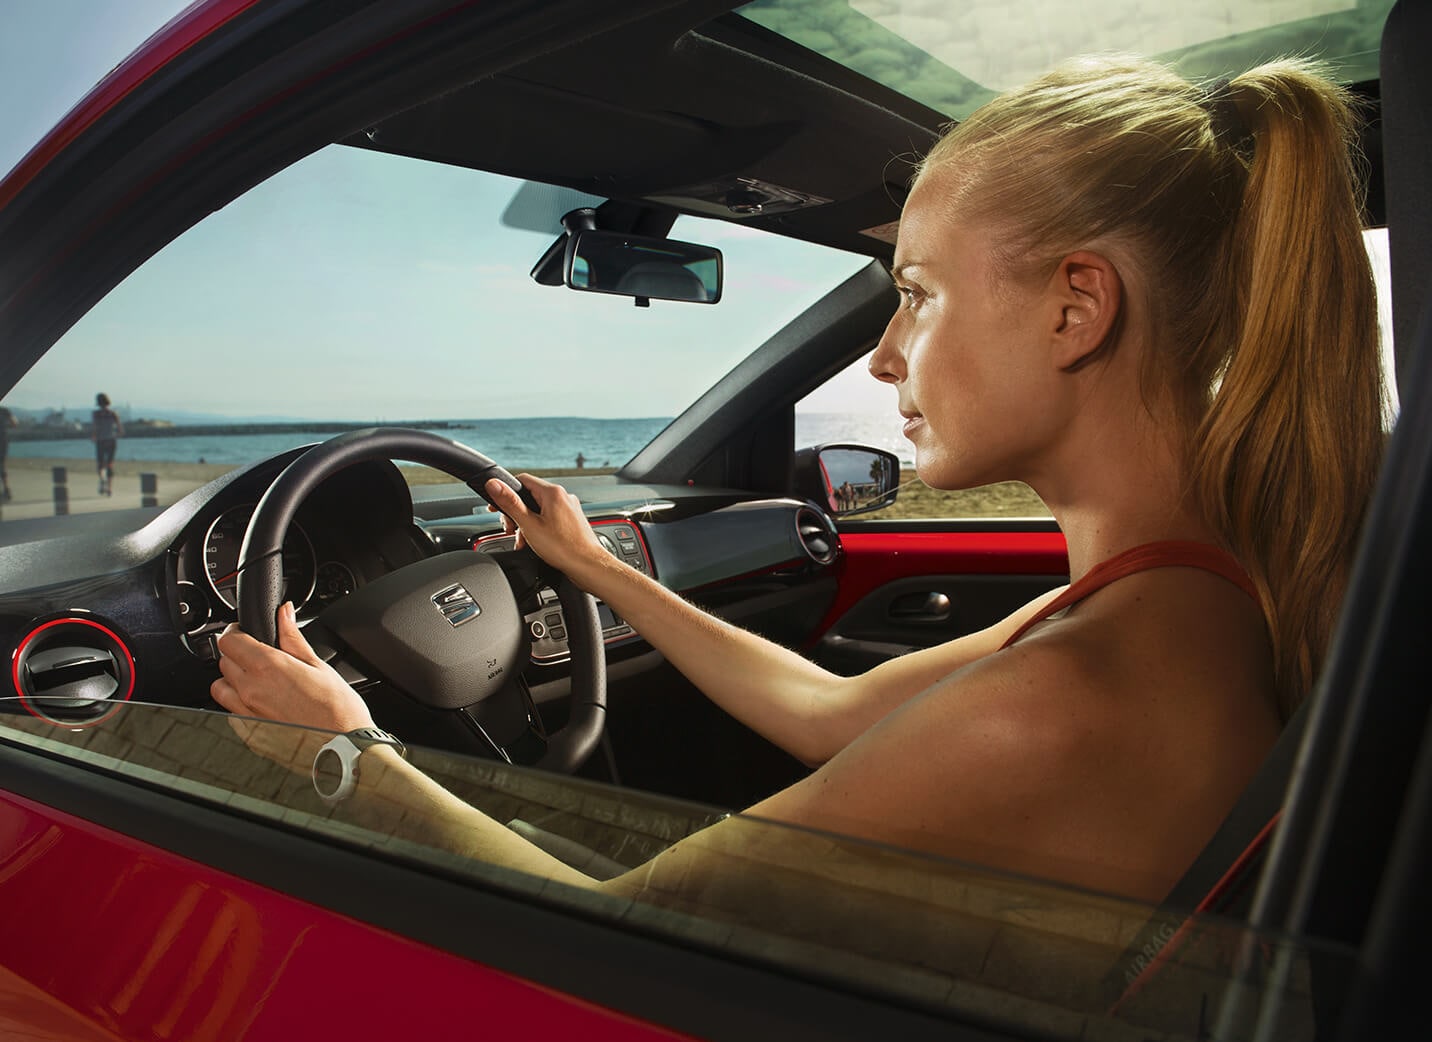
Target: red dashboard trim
column 872, row 559
column 19, row 653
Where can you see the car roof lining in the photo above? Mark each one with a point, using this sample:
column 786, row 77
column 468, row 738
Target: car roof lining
column 659, row 109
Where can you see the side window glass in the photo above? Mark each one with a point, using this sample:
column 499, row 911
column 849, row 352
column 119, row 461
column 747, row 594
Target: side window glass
column 854, row 408
column 954, row 939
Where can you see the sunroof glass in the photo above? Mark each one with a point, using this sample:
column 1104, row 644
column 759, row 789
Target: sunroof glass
column 954, row 55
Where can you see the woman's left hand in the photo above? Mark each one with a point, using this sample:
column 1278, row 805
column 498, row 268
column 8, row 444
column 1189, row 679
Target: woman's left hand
column 289, row 682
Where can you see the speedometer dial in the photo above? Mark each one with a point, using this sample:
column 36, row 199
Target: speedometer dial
column 221, row 557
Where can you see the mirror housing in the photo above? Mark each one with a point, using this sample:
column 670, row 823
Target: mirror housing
column 641, row 266
column 847, row 479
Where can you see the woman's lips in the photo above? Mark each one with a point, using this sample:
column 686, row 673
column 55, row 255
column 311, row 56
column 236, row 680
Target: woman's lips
column 912, row 424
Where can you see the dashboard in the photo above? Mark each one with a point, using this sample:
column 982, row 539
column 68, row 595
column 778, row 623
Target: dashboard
column 134, row 600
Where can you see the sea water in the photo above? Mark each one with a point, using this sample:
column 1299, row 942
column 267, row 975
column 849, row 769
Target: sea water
column 528, row 443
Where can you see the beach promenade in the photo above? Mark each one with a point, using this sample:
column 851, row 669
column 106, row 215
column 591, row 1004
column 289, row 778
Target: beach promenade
column 32, row 485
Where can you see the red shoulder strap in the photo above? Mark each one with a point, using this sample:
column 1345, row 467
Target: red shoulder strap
column 1171, row 553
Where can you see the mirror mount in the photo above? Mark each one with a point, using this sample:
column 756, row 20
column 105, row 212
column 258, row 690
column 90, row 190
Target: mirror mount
column 595, row 259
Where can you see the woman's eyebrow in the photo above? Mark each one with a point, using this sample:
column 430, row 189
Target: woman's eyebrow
column 901, row 270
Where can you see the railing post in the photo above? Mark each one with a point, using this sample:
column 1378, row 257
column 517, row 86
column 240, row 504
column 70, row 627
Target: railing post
column 149, row 490
column 60, row 477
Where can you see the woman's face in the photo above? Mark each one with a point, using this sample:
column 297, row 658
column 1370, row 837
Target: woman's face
column 964, row 351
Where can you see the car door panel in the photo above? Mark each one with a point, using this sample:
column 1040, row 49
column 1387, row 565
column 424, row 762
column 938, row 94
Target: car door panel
column 906, row 589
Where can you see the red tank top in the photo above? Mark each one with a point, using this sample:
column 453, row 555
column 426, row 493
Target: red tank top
column 1168, row 554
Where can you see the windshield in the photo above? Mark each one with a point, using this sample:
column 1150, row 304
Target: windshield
column 358, row 288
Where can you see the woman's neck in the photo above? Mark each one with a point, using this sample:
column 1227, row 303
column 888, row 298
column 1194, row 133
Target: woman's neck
column 1121, row 482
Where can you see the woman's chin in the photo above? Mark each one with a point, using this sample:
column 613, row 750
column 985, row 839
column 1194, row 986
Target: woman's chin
column 945, row 476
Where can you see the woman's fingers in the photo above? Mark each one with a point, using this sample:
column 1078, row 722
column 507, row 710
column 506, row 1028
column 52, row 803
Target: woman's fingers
column 224, row 692
column 291, row 638
column 504, row 499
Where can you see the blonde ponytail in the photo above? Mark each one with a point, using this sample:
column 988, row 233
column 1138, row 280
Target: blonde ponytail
column 1287, row 452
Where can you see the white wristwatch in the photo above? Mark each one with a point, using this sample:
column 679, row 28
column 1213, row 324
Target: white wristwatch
column 336, row 781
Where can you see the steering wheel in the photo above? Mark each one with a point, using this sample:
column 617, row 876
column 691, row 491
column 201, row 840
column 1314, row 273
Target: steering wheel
column 447, row 630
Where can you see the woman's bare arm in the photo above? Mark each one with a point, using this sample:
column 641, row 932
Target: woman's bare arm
column 977, row 768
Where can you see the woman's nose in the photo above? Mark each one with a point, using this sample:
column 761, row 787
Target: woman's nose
column 886, row 363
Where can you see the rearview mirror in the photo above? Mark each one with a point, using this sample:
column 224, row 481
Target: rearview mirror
column 641, row 266
column 848, row 479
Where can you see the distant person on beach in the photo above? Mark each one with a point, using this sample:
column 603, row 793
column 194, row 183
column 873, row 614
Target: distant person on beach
column 581, row 461
column 105, row 430
column 7, row 420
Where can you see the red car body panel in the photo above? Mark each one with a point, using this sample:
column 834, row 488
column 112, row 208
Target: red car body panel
column 109, row 938
column 874, row 559
column 176, row 37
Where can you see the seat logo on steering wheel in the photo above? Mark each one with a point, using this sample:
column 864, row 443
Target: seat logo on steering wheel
column 456, row 604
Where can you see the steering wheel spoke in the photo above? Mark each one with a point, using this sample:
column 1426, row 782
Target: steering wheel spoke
column 511, row 725
column 331, row 650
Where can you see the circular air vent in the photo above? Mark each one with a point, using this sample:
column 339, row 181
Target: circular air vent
column 817, row 535
column 72, row 671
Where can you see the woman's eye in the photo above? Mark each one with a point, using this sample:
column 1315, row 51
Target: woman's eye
column 912, row 296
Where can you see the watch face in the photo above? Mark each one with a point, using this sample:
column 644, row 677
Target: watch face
column 328, row 772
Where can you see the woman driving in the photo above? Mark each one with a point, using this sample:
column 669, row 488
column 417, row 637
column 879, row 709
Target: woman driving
column 1149, row 301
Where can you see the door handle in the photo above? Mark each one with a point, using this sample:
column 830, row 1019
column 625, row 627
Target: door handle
column 920, row 607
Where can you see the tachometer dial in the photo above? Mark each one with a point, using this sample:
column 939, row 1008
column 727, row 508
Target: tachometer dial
column 221, row 557
column 335, row 580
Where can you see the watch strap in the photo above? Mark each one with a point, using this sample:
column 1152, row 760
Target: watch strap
column 343, row 751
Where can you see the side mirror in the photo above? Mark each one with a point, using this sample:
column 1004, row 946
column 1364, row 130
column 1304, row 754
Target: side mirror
column 848, row 479
column 643, row 267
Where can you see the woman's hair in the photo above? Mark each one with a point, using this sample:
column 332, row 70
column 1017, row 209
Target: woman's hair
column 102, row 400
column 1239, row 208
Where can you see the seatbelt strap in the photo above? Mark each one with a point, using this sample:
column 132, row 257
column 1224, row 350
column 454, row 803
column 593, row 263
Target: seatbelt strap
column 1220, row 879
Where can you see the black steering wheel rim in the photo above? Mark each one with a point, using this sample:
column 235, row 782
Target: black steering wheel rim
column 260, row 568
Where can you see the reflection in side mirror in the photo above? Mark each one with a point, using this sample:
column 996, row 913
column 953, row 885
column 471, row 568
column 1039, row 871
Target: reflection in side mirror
column 642, row 267
column 848, row 479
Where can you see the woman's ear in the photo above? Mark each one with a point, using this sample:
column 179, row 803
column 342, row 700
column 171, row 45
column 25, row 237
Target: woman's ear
column 1089, row 298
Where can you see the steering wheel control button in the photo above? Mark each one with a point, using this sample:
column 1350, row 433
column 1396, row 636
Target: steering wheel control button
column 539, row 629
column 456, row 604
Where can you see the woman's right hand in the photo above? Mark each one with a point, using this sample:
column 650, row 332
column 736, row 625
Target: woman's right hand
column 560, row 534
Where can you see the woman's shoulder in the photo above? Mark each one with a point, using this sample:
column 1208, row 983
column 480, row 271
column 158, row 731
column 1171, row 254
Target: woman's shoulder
column 1116, row 735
